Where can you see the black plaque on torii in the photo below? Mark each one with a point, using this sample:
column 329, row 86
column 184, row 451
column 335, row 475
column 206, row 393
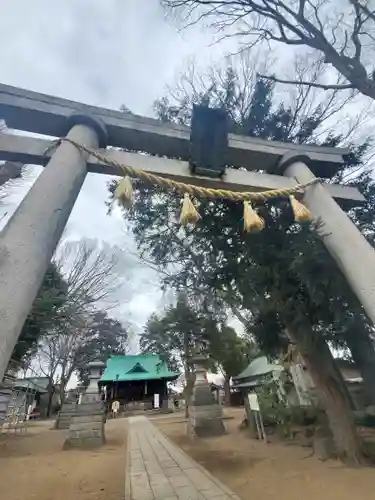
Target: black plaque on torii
column 208, row 141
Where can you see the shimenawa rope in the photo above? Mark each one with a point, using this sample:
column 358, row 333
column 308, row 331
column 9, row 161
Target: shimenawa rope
column 189, row 213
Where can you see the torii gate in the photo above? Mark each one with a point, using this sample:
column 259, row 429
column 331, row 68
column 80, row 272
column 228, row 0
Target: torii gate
column 28, row 241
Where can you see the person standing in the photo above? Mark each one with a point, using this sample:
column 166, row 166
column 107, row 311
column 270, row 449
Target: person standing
column 115, row 408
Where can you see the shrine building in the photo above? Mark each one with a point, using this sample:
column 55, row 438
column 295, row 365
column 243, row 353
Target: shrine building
column 138, row 378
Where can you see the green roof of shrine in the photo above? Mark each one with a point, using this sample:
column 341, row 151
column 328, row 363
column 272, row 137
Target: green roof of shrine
column 258, row 367
column 137, row 367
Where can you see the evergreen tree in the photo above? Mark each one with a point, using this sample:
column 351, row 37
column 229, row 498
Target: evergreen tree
column 43, row 315
column 105, row 337
column 177, row 333
column 283, row 275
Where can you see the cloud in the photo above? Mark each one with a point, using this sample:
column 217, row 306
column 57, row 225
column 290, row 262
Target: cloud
column 99, row 52
column 104, row 53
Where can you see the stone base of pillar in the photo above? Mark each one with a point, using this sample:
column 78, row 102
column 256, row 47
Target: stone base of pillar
column 65, row 415
column 205, row 414
column 86, row 429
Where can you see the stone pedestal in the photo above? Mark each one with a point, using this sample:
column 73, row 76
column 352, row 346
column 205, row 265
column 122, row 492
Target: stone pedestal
column 205, row 415
column 86, row 429
column 65, row 415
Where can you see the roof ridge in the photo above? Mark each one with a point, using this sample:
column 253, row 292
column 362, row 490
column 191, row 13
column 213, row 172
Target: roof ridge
column 135, row 355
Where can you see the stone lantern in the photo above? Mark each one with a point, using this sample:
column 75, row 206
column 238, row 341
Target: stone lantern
column 205, row 414
column 92, row 393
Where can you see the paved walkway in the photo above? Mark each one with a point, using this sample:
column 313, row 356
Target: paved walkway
column 158, row 470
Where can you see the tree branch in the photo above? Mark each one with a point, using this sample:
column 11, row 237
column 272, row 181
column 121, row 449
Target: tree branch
column 301, row 22
column 370, row 14
column 309, row 84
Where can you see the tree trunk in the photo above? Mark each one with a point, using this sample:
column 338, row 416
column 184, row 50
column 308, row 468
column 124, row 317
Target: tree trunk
column 188, row 392
column 363, row 353
column 51, row 392
column 227, row 390
column 62, row 386
column 331, row 391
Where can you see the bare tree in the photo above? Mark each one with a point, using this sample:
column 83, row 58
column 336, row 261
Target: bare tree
column 48, row 358
column 58, row 350
column 231, row 85
column 340, row 32
column 93, row 274
column 56, row 355
column 69, row 347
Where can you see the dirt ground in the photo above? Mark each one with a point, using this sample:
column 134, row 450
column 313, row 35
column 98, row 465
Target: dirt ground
column 270, row 471
column 34, row 466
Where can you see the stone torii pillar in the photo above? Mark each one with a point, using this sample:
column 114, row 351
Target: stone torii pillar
column 350, row 249
column 29, row 240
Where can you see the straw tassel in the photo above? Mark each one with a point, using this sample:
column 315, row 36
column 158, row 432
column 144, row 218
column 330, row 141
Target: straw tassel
column 301, row 212
column 124, row 192
column 189, row 214
column 251, row 220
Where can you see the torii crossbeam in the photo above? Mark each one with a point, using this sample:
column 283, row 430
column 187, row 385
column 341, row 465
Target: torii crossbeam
column 28, row 241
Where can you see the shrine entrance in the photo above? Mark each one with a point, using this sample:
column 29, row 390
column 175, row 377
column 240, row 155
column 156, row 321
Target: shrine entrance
column 28, row 241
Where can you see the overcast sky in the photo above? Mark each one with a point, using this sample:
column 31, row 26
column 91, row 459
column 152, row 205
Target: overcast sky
column 104, row 53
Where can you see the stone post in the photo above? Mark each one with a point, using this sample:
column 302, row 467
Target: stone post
column 205, row 414
column 29, row 240
column 86, row 429
column 353, row 254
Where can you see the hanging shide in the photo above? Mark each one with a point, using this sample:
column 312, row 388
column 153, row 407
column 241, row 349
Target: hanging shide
column 251, row 220
column 124, row 192
column 301, row 212
column 189, row 214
